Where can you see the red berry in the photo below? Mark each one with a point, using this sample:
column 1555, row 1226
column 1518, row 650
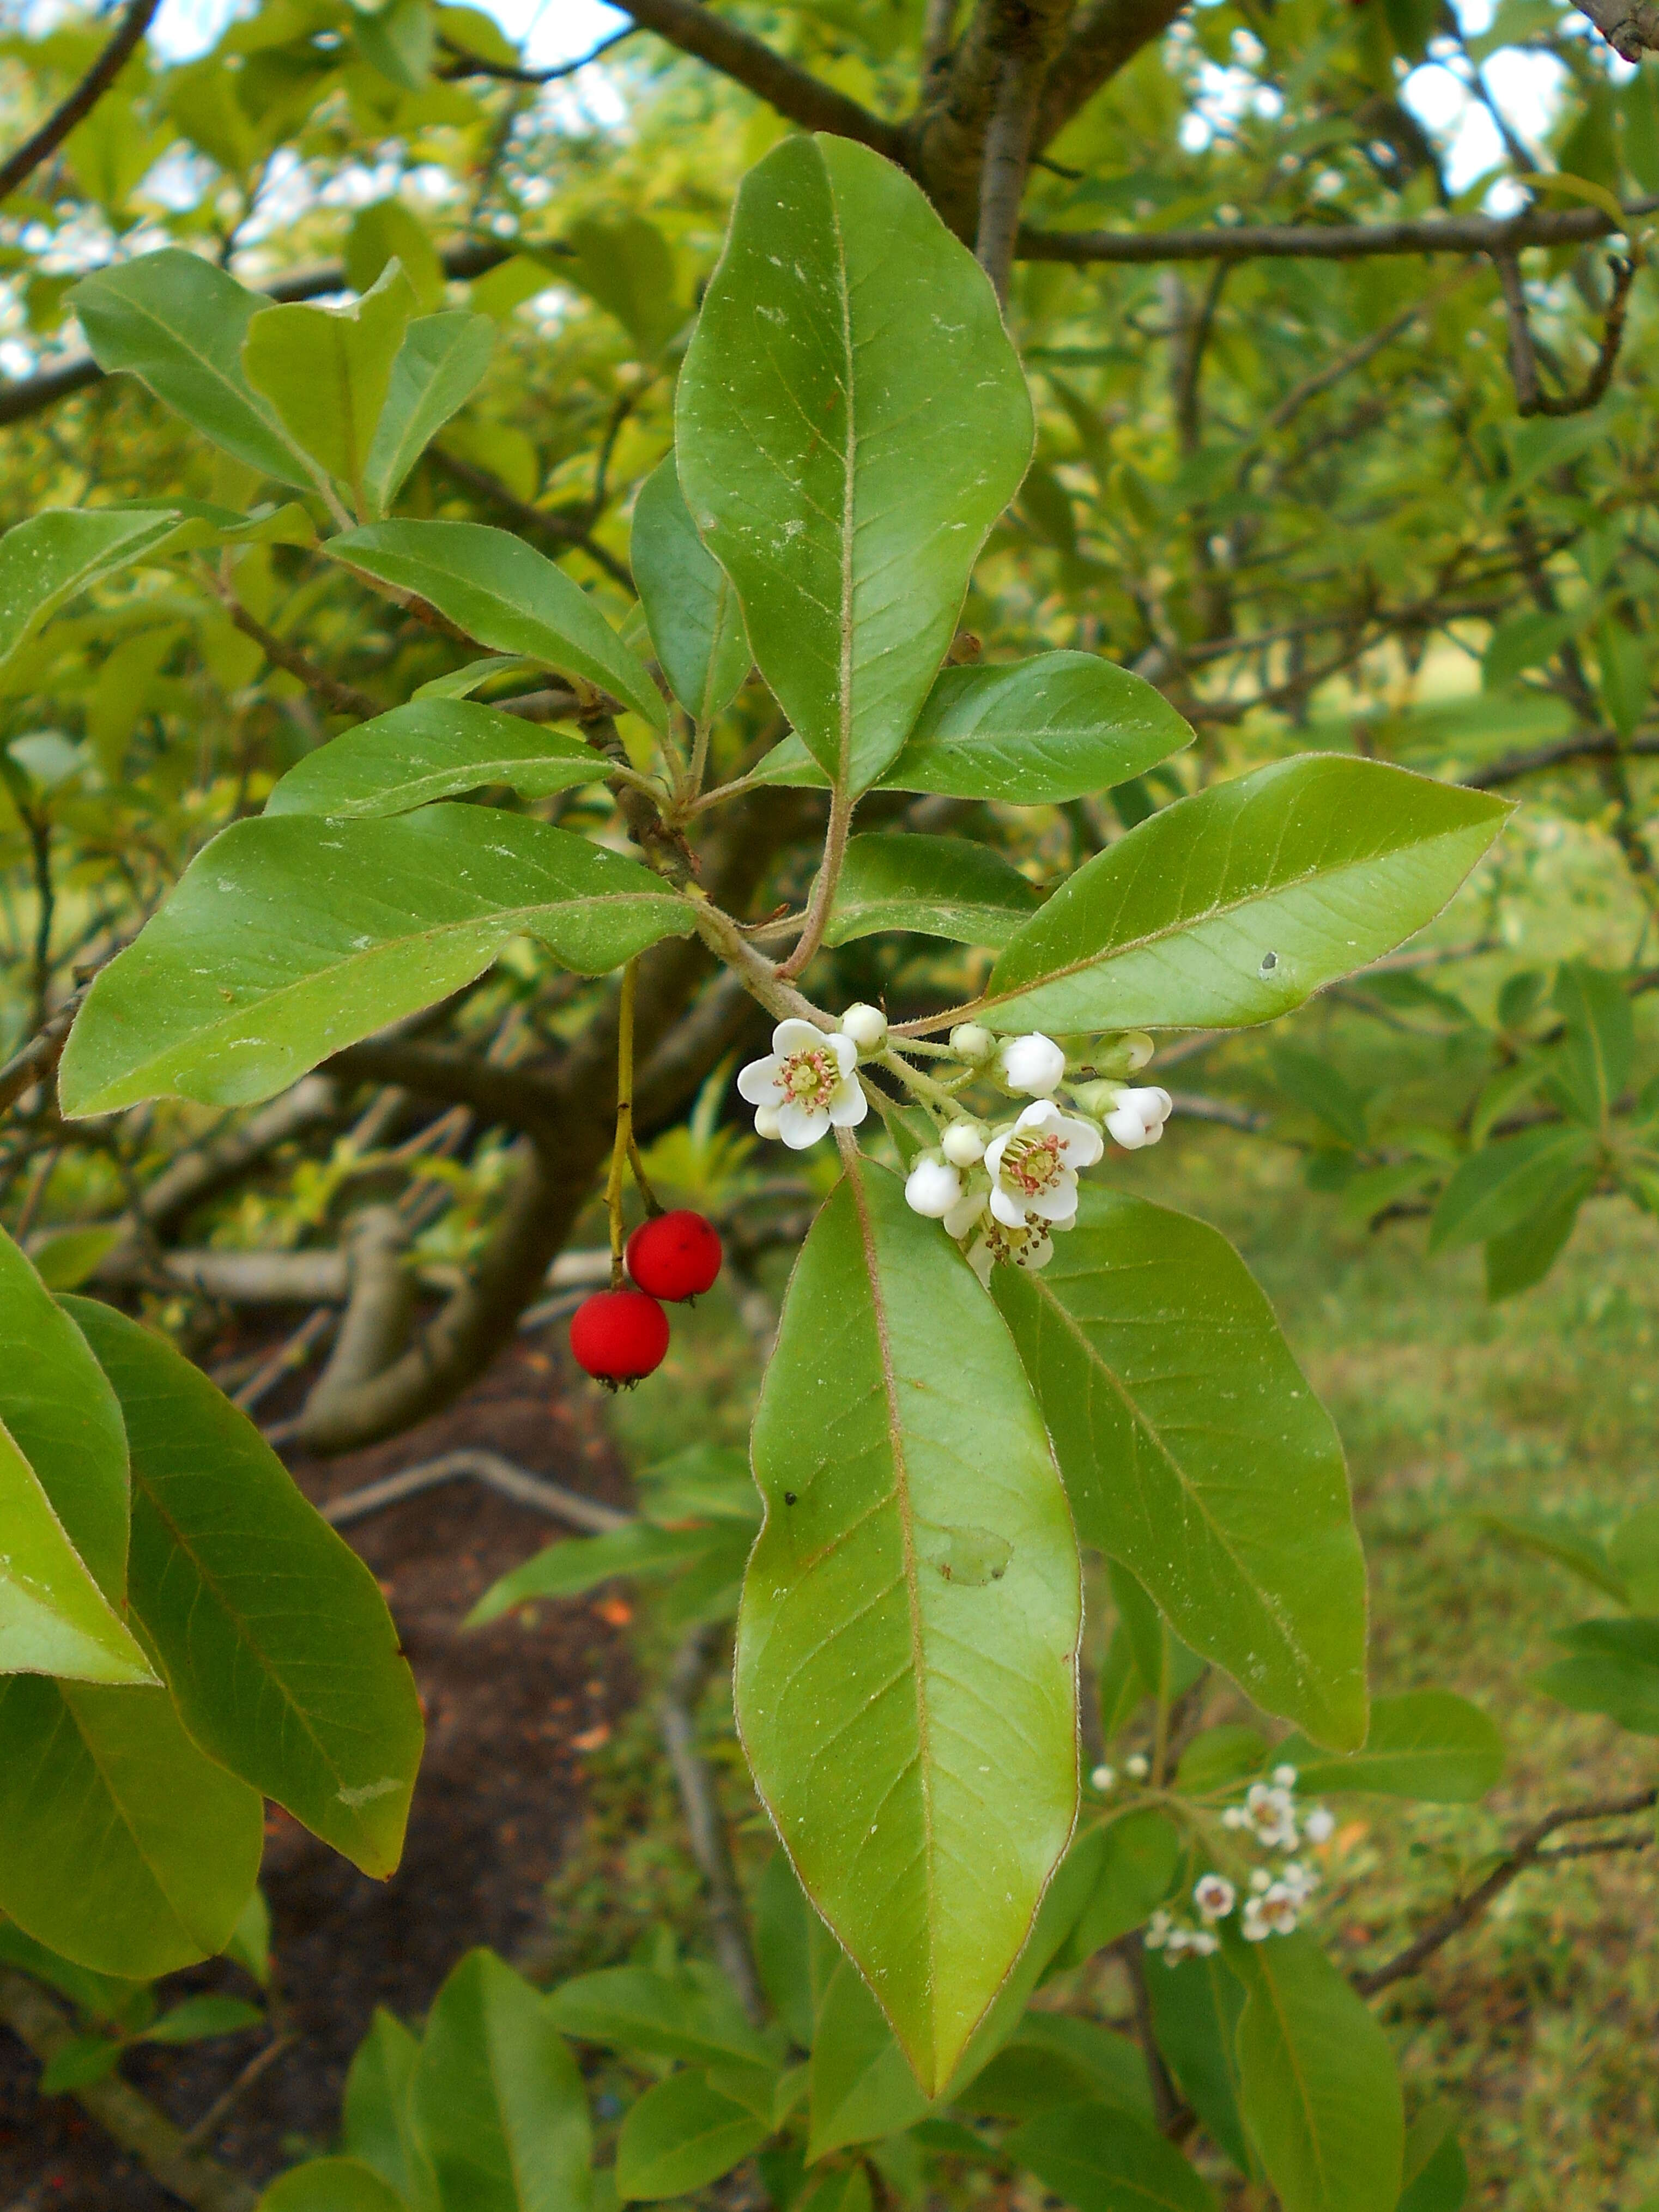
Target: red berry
column 617, row 1336
column 676, row 1256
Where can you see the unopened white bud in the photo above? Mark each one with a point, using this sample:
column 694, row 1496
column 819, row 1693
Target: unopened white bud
column 766, row 1122
column 1284, row 1776
column 1319, row 1826
column 865, row 1025
column 1126, row 1128
column 963, row 1144
column 1101, row 1779
column 1136, row 1767
column 1032, row 1064
column 1137, row 1048
column 931, row 1187
column 970, row 1041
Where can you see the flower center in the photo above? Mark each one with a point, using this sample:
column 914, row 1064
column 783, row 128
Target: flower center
column 809, row 1079
column 1032, row 1164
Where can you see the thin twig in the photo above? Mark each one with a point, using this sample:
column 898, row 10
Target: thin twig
column 82, row 102
column 1527, row 1852
column 494, row 1472
column 728, row 1922
column 472, row 64
column 339, row 698
column 199, row 2136
column 1530, row 397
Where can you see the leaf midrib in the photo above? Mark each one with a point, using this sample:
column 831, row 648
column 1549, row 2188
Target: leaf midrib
column 1184, row 925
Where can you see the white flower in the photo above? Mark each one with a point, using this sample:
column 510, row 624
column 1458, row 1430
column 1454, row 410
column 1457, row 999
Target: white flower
column 963, row 1144
column 931, row 1187
column 1277, row 1907
column 1254, row 1929
column 1214, row 1896
column 808, row 1082
column 1158, row 1931
column 1029, row 1248
column 865, row 1025
column 969, row 1041
column 1261, row 1880
column 1101, row 1779
column 1033, row 1166
column 1136, row 1767
column 968, row 1210
column 1284, row 1776
column 1205, row 1944
column 1032, row 1064
column 1319, row 1826
column 1139, row 1117
column 1273, row 1815
column 1299, row 1880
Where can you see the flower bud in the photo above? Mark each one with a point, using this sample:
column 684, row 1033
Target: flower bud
column 865, row 1025
column 1032, row 1064
column 1101, row 1779
column 1127, row 1129
column 963, row 1144
column 969, row 1041
column 1319, row 1826
column 1137, row 1767
column 933, row 1187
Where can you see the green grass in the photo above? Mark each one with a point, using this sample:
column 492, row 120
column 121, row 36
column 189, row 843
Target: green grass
column 1541, row 2023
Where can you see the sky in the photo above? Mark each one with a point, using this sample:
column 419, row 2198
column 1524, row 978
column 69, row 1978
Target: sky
column 557, row 30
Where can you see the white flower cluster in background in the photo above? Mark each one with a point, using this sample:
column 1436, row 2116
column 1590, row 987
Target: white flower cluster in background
column 1274, row 1897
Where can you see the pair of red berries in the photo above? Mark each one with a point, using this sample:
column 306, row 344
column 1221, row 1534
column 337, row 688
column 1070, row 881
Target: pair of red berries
column 621, row 1336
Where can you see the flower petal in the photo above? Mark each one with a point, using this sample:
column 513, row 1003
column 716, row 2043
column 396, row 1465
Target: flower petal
column 845, row 1052
column 1008, row 1210
column 848, row 1105
column 965, row 1212
column 1083, row 1142
column 796, row 1035
column 758, row 1083
column 798, row 1128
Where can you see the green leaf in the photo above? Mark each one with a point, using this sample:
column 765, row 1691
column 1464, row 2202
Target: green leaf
column 937, row 886
column 682, row 2135
column 1320, row 2093
column 1633, row 1550
column 1506, row 1182
column 691, row 610
column 1059, row 726
column 507, row 596
column 311, row 1703
column 200, row 2017
column 50, row 557
column 1428, row 1744
column 177, row 322
column 64, row 1419
column 121, row 1847
column 581, row 1563
column 1593, row 1064
column 376, row 2125
column 863, row 2089
column 1523, row 1256
column 498, row 2103
column 1233, row 906
column 1053, row 2059
column 1614, row 1669
column 438, row 367
column 385, row 229
column 83, row 2060
column 54, row 1620
column 1140, row 1856
column 433, row 749
column 913, row 1735
column 1195, row 2007
column 1195, row 1451
column 851, row 420
column 325, row 371
column 689, row 2014
column 101, row 1996
column 1523, row 642
column 396, row 40
column 780, row 1921
column 624, row 262
column 224, row 998
column 1166, row 1667
column 1219, row 1757
column 1313, row 1084
column 250, row 1940
column 1437, row 2176
column 65, row 1260
column 1099, row 2160
column 1552, row 1536
column 331, row 2185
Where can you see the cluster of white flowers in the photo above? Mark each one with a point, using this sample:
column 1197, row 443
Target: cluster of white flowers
column 1274, row 1898
column 1005, row 1190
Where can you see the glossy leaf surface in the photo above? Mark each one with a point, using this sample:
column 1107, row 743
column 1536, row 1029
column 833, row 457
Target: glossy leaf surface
column 911, row 1728
column 851, row 420
column 1195, row 2007
column 121, row 1845
column 1035, row 733
column 689, row 2014
column 331, row 2185
column 428, row 749
column 507, row 596
column 377, row 2124
column 290, row 938
column 683, row 2134
column 1195, row 1451
column 1320, row 2093
column 177, row 322
column 1099, row 2159
column 581, row 1563
column 311, row 1703
column 325, row 371
column 1429, row 1744
column 1233, row 906
column 47, row 559
column 690, row 605
column 64, row 1419
column 54, row 1620
column 937, row 886
column 498, row 2102
column 435, row 371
